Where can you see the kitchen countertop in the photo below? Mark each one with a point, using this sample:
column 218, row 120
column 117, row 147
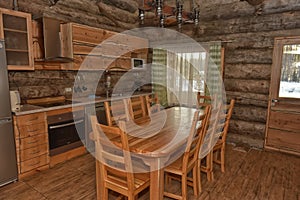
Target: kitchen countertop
column 82, row 101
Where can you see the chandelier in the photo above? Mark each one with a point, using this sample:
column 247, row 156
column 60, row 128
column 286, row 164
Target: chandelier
column 169, row 15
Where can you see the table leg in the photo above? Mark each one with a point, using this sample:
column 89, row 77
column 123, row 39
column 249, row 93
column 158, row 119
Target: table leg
column 156, row 180
column 99, row 182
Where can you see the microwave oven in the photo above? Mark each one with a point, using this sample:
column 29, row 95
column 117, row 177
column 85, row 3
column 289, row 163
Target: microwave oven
column 137, row 63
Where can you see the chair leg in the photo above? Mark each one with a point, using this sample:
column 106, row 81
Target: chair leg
column 216, row 155
column 105, row 194
column 199, row 175
column 209, row 166
column 184, row 187
column 222, row 152
column 131, row 197
column 99, row 183
column 195, row 180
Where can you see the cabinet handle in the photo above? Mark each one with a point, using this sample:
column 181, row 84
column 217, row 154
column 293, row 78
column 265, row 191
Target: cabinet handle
column 38, row 162
column 32, row 142
column 35, row 152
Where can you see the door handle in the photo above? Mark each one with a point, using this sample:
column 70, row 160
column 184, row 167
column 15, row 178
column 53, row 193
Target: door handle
column 274, row 101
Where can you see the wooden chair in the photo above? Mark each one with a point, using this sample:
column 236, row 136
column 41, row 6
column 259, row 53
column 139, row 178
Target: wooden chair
column 203, row 100
column 137, row 108
column 116, row 110
column 207, row 146
column 219, row 148
column 189, row 161
column 114, row 167
column 152, row 103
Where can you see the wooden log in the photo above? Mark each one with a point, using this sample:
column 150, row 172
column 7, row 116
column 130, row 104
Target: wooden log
column 210, row 11
column 243, row 85
column 250, row 40
column 251, row 129
column 7, row 4
column 254, row 2
column 250, row 113
column 245, row 139
column 280, row 6
column 35, row 7
column 248, row 71
column 128, row 5
column 38, row 91
column 248, row 98
column 117, row 14
column 86, row 6
column 251, row 56
column 68, row 14
column 285, row 20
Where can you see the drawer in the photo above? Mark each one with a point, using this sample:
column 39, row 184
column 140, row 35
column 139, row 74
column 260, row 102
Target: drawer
column 34, row 163
column 30, row 142
column 33, row 152
column 31, row 119
column 32, row 130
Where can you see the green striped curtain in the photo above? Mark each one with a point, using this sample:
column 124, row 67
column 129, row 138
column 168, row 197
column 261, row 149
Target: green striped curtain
column 214, row 69
column 159, row 74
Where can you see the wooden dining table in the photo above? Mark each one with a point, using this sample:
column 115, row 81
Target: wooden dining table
column 158, row 140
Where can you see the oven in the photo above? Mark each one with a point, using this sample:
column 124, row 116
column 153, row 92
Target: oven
column 66, row 131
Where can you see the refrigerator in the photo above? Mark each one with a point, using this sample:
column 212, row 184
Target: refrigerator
column 8, row 160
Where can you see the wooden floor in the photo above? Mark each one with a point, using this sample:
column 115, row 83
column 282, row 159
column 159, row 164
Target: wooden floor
column 249, row 175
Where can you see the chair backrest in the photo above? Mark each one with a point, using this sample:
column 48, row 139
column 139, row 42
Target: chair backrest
column 224, row 119
column 203, row 100
column 113, row 161
column 116, row 110
column 210, row 132
column 195, row 139
column 152, row 103
column 137, row 108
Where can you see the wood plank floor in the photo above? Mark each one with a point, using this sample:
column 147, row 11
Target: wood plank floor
column 249, row 175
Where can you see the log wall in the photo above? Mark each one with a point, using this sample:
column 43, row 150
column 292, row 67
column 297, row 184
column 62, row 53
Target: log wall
column 247, row 32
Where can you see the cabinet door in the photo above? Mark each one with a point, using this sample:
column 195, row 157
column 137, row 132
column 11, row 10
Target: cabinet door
column 16, row 31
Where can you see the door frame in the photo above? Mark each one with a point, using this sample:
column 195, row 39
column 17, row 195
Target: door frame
column 283, row 104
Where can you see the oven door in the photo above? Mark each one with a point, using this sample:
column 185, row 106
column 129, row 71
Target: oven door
column 67, row 135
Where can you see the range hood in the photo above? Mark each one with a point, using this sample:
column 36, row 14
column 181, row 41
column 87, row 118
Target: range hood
column 53, row 42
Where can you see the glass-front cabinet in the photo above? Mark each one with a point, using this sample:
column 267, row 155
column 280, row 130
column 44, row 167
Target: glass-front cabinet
column 16, row 31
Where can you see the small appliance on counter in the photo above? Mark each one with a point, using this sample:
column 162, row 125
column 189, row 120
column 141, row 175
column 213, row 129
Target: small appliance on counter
column 15, row 100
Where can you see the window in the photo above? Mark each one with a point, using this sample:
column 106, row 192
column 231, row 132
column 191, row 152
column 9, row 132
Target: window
column 186, row 72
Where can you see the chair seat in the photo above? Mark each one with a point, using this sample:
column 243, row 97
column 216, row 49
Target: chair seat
column 140, row 179
column 175, row 167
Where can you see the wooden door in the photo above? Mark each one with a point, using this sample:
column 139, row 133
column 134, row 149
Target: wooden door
column 283, row 124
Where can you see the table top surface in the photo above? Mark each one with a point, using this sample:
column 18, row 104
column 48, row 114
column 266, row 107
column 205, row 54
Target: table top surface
column 161, row 134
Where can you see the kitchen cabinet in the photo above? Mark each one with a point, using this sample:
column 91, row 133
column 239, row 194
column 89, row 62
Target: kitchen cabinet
column 15, row 29
column 31, row 136
column 99, row 49
column 90, row 48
